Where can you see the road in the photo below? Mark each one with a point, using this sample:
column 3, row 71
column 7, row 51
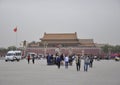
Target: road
column 104, row 72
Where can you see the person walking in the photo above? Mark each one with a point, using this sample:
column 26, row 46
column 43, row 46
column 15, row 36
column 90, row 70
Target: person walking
column 33, row 59
column 91, row 61
column 28, row 58
column 58, row 60
column 78, row 62
column 86, row 63
column 66, row 61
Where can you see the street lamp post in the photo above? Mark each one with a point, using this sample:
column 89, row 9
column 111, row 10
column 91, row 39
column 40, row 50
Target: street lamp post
column 45, row 48
column 70, row 51
column 83, row 52
column 109, row 53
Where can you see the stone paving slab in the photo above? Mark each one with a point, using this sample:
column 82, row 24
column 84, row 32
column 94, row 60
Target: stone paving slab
column 104, row 72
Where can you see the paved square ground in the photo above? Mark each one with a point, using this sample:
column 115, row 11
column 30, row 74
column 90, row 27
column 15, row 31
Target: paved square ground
column 104, row 72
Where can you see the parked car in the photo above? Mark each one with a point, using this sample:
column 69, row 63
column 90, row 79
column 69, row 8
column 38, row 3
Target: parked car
column 117, row 58
column 13, row 55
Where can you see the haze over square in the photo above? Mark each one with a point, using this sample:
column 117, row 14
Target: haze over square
column 94, row 19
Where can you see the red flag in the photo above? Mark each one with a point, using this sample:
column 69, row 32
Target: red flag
column 15, row 29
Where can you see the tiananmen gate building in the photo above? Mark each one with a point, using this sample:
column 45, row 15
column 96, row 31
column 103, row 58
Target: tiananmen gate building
column 63, row 42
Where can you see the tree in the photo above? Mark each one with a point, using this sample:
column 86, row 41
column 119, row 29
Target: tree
column 105, row 48
column 12, row 48
column 3, row 51
column 112, row 49
column 117, row 49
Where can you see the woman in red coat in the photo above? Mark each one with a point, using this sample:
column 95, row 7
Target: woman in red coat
column 28, row 58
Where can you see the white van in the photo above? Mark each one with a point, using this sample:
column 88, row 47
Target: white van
column 13, row 55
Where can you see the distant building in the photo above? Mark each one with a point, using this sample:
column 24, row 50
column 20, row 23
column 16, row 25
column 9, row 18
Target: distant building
column 65, row 42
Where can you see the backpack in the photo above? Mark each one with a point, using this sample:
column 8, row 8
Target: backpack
column 58, row 59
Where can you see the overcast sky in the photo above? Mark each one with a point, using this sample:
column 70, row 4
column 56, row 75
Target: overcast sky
column 91, row 19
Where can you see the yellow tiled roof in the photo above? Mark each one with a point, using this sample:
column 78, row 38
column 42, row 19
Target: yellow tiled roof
column 86, row 41
column 59, row 36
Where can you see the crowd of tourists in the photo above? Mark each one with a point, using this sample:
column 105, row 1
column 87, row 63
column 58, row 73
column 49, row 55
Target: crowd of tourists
column 66, row 60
